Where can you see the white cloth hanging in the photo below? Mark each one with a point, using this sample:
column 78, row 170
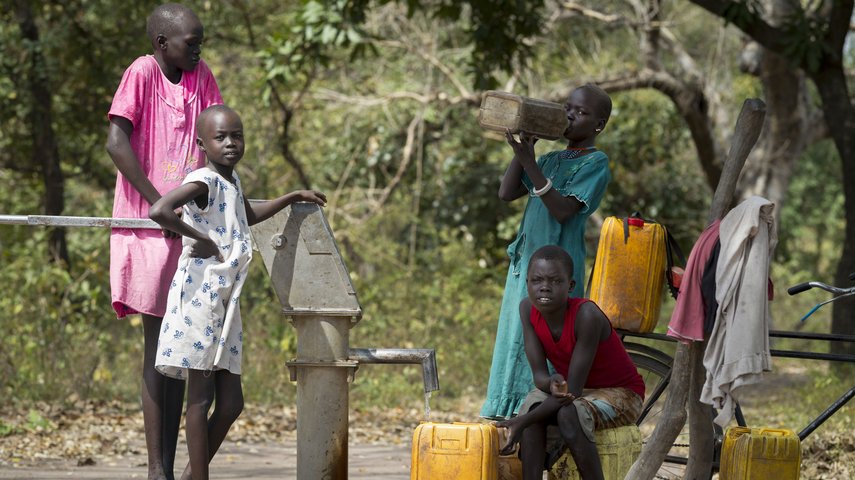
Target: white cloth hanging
column 738, row 350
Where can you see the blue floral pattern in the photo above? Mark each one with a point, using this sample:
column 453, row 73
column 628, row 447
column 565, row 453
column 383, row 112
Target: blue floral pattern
column 202, row 328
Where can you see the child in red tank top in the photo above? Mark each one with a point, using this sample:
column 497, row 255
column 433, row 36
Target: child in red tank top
column 595, row 384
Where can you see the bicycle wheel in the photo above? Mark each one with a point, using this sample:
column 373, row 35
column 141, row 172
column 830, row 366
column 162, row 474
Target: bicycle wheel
column 656, row 375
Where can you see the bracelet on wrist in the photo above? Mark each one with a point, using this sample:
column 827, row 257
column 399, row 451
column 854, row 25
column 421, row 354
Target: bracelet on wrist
column 539, row 192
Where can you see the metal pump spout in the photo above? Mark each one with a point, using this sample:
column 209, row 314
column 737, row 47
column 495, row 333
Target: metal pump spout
column 424, row 356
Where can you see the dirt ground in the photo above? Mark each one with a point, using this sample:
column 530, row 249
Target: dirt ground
column 92, row 440
column 235, row 460
column 104, row 440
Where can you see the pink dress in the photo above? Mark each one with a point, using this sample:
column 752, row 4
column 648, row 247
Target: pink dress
column 163, row 114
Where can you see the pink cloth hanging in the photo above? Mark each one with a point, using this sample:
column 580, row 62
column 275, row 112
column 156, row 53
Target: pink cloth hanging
column 687, row 320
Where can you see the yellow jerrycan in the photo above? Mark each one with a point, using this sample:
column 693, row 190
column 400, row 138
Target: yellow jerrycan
column 618, row 448
column 462, row 451
column 749, row 453
column 629, row 272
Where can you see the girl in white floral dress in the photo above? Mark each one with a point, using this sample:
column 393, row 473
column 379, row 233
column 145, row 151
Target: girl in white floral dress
column 201, row 338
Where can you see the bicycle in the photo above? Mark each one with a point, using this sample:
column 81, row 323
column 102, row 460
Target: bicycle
column 654, row 364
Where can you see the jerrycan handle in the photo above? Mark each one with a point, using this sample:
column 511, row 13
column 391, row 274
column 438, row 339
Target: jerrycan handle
column 636, row 220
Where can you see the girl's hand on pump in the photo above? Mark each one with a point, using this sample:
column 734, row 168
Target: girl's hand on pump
column 313, row 196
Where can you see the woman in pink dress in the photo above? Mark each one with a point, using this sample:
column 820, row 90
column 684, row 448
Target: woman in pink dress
column 152, row 142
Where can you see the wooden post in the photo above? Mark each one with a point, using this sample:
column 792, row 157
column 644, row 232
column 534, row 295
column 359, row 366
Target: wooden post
column 688, row 374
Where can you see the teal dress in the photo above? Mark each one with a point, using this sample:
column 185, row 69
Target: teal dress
column 585, row 178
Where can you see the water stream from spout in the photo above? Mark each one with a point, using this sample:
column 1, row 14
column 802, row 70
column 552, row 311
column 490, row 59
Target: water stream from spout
column 427, row 406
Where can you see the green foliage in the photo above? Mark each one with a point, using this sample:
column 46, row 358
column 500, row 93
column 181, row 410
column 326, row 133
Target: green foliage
column 34, row 422
column 269, row 341
column 494, row 28
column 7, row 429
column 805, row 40
column 497, row 28
column 445, row 298
column 83, row 70
column 62, row 337
column 808, row 243
column 316, row 28
column 652, row 166
column 466, row 202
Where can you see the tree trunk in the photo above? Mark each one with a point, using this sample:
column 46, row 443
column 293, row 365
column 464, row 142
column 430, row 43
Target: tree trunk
column 45, row 151
column 672, row 421
column 769, row 168
column 701, row 434
column 840, row 118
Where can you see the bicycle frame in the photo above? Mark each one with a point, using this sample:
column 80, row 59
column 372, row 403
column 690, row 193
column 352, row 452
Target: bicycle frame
column 663, row 358
column 831, row 357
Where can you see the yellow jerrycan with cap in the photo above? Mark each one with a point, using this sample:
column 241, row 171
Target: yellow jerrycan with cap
column 629, row 271
column 459, row 450
column 750, row 453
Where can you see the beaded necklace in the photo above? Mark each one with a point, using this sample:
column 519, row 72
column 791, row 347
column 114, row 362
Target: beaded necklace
column 572, row 152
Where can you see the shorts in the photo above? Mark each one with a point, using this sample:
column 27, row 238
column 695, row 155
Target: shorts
column 598, row 409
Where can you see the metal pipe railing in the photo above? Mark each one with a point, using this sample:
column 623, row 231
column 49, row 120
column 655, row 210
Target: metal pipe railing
column 68, row 221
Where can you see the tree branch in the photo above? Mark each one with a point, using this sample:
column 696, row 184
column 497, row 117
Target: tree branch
column 684, row 60
column 692, row 105
column 775, row 39
column 326, row 94
column 286, row 109
column 756, row 27
column 839, row 26
column 433, row 60
column 407, row 155
column 609, row 19
column 343, row 178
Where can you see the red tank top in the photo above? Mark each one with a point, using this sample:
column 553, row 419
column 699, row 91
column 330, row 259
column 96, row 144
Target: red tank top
column 612, row 366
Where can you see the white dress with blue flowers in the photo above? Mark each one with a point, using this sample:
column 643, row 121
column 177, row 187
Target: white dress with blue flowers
column 202, row 326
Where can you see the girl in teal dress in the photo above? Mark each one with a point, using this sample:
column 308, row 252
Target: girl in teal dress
column 563, row 188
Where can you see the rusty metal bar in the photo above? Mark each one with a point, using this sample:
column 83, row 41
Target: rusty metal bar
column 69, row 221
